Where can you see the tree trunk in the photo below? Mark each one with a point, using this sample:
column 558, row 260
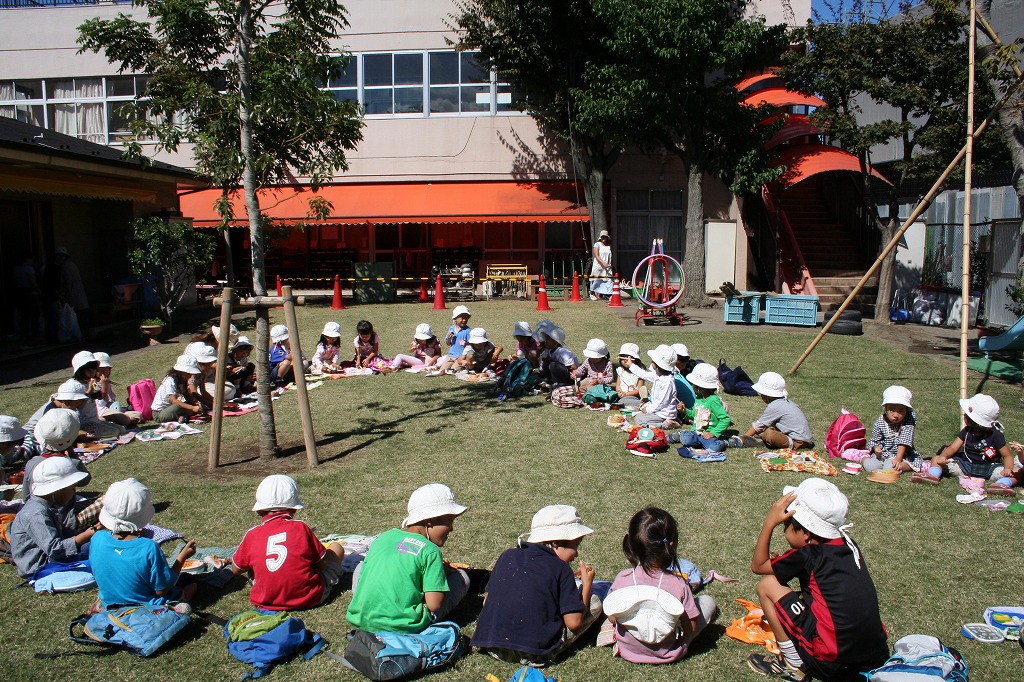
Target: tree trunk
column 693, row 255
column 268, row 430
column 229, row 260
column 592, row 165
column 885, row 271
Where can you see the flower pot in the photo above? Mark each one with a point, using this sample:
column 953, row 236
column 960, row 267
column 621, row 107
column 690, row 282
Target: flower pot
column 151, row 332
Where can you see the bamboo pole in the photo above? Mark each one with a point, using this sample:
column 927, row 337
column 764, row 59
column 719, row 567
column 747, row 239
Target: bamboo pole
column 965, row 279
column 300, row 377
column 219, row 377
column 914, row 215
column 260, row 301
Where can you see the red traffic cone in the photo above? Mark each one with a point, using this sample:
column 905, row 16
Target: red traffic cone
column 438, row 294
column 575, row 287
column 423, row 292
column 280, row 293
column 338, row 303
column 542, row 296
column 616, row 299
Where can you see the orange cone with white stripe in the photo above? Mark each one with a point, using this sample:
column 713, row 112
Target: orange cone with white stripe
column 616, row 300
column 542, row 295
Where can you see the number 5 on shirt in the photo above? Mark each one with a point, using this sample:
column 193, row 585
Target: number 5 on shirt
column 276, row 551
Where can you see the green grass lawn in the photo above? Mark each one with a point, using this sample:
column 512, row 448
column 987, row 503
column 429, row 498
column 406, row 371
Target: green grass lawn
column 937, row 564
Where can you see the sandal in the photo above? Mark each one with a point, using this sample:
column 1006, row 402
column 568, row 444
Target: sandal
column 925, row 477
column 999, row 489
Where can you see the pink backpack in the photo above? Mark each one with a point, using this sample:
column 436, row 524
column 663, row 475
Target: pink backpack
column 846, row 433
column 140, row 395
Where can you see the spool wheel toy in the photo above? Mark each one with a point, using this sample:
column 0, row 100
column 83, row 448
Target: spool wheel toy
column 654, row 290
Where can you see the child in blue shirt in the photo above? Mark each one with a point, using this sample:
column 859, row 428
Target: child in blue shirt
column 457, row 339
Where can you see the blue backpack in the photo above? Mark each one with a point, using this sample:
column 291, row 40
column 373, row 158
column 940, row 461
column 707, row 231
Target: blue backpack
column 142, row 629
column 263, row 638
column 517, row 380
column 395, row 656
column 920, row 658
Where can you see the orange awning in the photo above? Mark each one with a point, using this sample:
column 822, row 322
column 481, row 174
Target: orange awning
column 804, row 161
column 781, row 97
column 424, row 202
column 757, row 78
column 795, row 127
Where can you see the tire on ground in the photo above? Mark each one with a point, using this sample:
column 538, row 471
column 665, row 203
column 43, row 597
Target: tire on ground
column 851, row 315
column 847, row 328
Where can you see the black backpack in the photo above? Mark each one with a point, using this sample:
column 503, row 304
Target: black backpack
column 735, row 381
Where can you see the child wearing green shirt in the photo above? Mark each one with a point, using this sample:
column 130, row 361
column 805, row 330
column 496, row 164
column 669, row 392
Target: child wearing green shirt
column 710, row 419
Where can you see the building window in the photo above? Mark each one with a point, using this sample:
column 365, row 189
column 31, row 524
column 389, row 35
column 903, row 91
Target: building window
column 641, row 216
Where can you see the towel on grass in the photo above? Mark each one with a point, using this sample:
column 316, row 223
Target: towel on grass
column 807, row 461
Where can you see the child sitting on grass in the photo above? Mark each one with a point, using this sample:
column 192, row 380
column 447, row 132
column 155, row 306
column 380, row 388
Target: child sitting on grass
column 480, row 354
column 12, row 439
column 534, row 611
column 69, row 396
column 710, row 419
column 327, row 358
column 627, row 384
column 597, row 369
column 424, row 351
column 832, row 627
column 130, row 568
column 641, row 635
column 404, row 585
column 457, row 339
column 892, row 436
column 662, row 409
column 781, row 425
column 290, row 567
column 173, row 401
column 241, row 372
column 526, row 345
column 981, row 449
column 367, row 345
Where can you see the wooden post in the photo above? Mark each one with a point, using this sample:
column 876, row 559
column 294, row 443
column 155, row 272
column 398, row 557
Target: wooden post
column 965, row 280
column 220, row 376
column 300, row 377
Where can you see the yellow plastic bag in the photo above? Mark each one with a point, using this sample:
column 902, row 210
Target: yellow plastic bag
column 753, row 628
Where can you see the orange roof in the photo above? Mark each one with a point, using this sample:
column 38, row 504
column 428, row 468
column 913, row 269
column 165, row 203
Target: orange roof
column 419, row 202
column 757, row 78
column 781, row 97
column 796, row 126
column 804, row 161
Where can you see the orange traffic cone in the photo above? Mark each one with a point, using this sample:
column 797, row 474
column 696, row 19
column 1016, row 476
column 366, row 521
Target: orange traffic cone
column 338, row 303
column 542, row 296
column 575, row 287
column 423, row 292
column 616, row 299
column 438, row 294
column 280, row 293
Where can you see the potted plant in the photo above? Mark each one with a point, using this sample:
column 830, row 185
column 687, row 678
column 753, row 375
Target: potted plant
column 151, row 328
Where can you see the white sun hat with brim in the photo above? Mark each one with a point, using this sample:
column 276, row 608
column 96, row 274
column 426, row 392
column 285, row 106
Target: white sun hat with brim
column 278, row 333
column 681, row 350
column 187, row 364
column 897, row 395
column 81, row 359
column 649, row 613
column 127, row 507
column 277, row 491
column 72, row 389
column 461, row 310
column 557, row 522
column 772, row 385
column 10, row 429
column 477, row 335
column 56, row 473
column 820, row 507
column 556, row 334
column 704, row 375
column 541, row 329
column 522, row 329
column 431, row 501
column 982, row 409
column 423, row 332
column 242, row 342
column 57, row 430
column 630, row 349
column 596, row 348
column 663, row 356
column 204, row 355
column 332, row 329
column 232, row 332
column 103, row 359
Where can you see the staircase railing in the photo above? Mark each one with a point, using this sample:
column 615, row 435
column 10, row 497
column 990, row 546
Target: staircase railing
column 796, row 277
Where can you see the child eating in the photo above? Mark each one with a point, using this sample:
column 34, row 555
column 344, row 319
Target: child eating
column 782, row 424
column 981, row 449
column 892, row 436
column 710, row 419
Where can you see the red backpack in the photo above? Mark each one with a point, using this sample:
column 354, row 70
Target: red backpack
column 655, row 441
column 846, row 433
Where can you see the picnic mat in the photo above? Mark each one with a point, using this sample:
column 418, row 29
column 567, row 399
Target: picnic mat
column 1007, row 371
column 210, row 572
column 167, row 431
column 159, row 534
column 355, row 546
column 90, row 452
column 807, row 461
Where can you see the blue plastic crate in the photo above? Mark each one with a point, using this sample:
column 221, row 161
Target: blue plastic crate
column 746, row 309
column 791, row 309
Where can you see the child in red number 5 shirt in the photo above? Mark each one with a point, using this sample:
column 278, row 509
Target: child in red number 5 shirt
column 290, row 568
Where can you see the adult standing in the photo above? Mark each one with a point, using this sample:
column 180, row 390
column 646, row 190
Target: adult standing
column 601, row 267
column 72, row 291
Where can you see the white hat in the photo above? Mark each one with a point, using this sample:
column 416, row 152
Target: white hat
column 704, row 375
column 57, row 429
column 204, row 354
column 102, row 358
column 681, row 350
column 461, row 310
column 982, row 409
column 649, row 613
column 81, row 359
column 596, row 348
column 477, row 335
column 127, row 507
column 557, row 522
column 242, row 341
column 522, row 329
column 772, row 385
column 604, row 233
column 897, row 395
column 819, row 507
column 10, row 429
column 232, row 332
column 429, row 502
column 56, row 473
column 277, row 491
column 556, row 334
column 278, row 333
column 72, row 389
column 423, row 332
column 187, row 364
column 195, row 348
column 630, row 349
column 332, row 329
column 663, row 356
column 541, row 329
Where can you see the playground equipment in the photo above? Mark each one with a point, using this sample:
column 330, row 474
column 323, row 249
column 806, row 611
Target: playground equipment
column 655, row 291
column 1011, row 339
